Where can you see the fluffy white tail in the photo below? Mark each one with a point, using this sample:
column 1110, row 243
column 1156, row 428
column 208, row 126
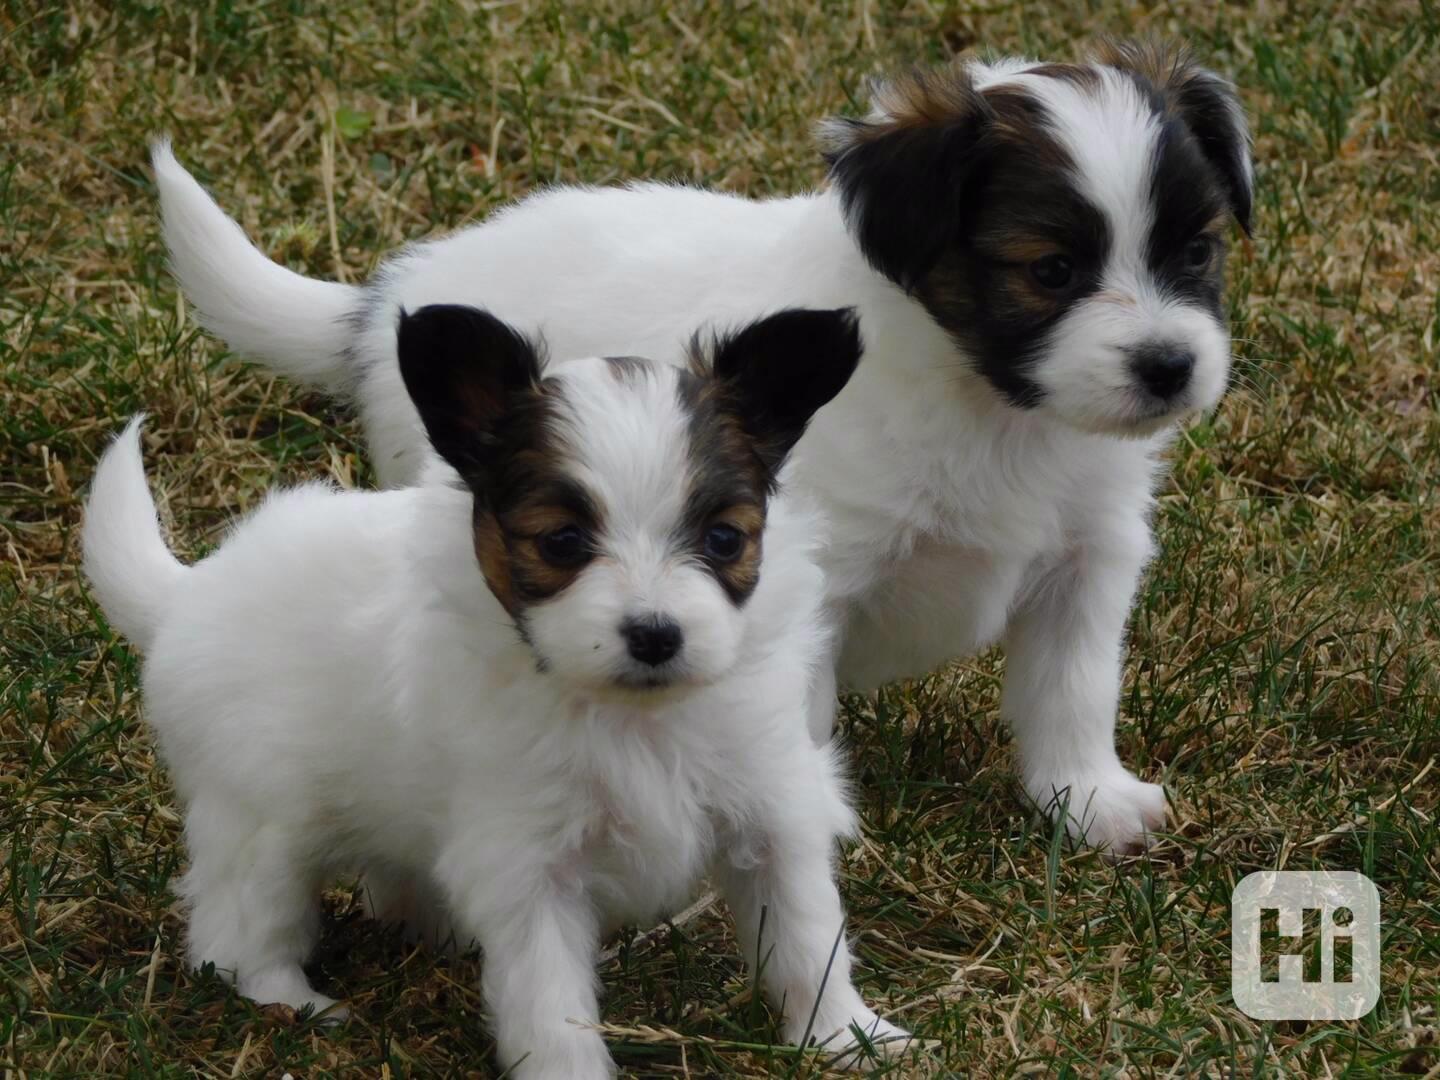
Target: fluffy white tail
column 131, row 568
column 295, row 324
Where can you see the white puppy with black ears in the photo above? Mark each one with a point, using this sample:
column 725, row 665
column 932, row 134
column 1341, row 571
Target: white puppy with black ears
column 1036, row 251
column 533, row 706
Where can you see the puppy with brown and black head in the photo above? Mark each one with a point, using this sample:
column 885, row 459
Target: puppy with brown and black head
column 1065, row 224
column 531, row 706
column 1036, row 251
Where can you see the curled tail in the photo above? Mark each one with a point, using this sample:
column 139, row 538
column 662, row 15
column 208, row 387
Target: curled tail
column 131, row 568
column 294, row 324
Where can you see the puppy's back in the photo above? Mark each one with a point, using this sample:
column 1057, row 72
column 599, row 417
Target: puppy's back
column 281, row 645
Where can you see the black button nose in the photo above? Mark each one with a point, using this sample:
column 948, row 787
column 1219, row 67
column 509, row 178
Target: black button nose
column 1164, row 370
column 652, row 641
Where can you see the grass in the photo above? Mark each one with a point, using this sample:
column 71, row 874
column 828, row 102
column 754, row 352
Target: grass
column 1284, row 667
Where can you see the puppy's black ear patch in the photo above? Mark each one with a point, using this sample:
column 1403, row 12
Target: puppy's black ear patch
column 1212, row 110
column 901, row 172
column 1206, row 102
column 775, row 373
column 464, row 368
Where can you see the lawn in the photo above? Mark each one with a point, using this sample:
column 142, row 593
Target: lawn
column 1284, row 674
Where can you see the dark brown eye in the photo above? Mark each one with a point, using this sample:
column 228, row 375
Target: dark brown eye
column 723, row 543
column 1053, row 271
column 567, row 546
column 1198, row 251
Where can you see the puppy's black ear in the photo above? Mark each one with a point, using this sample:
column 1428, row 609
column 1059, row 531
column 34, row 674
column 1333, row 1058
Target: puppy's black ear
column 1207, row 103
column 464, row 369
column 902, row 170
column 1212, row 110
column 774, row 374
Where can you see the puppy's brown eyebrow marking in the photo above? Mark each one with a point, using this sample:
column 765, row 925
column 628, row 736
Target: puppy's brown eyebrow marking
column 530, row 494
column 1020, row 248
column 727, row 483
column 739, row 577
column 1218, row 224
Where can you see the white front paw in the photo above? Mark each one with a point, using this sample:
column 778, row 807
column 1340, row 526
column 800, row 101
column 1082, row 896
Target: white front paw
column 1112, row 810
column 285, row 984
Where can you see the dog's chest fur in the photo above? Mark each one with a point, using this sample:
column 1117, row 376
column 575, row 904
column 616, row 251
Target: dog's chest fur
column 976, row 506
column 648, row 808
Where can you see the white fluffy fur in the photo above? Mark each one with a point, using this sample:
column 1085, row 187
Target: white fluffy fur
column 281, row 313
column 336, row 688
column 958, row 521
